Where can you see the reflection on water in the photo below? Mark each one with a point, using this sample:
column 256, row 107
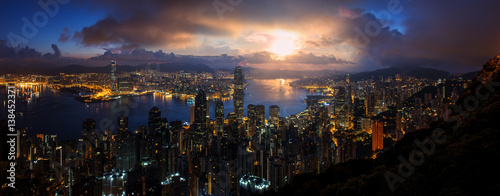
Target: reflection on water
column 58, row 113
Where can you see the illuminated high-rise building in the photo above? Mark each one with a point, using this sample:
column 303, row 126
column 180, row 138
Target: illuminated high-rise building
column 252, row 119
column 274, row 114
column 126, row 150
column 238, row 93
column 346, row 150
column 88, row 136
column 219, row 117
column 124, row 84
column 260, row 114
column 154, row 120
column 88, row 127
column 191, row 115
column 114, row 83
column 122, row 124
column 256, row 118
column 370, row 104
column 200, row 117
column 22, row 143
column 377, row 135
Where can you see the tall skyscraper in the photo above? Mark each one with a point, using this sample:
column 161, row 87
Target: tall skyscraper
column 256, row 118
column 370, row 104
column 114, row 83
column 274, row 114
column 154, row 120
column 260, row 114
column 88, row 136
column 252, row 119
column 377, row 135
column 88, row 125
column 238, row 93
column 200, row 117
column 346, row 150
column 88, row 128
column 22, row 143
column 126, row 148
column 191, row 115
column 122, row 124
column 219, row 117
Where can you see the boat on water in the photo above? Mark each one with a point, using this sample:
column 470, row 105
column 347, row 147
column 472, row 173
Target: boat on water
column 190, row 100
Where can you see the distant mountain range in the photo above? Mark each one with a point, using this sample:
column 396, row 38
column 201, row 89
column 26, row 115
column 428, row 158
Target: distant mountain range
column 50, row 69
column 76, row 68
column 418, row 72
column 164, row 67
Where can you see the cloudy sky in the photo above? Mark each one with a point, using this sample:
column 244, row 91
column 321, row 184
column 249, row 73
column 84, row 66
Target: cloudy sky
column 350, row 35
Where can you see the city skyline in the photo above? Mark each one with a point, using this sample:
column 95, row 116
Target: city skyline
column 249, row 97
column 334, row 128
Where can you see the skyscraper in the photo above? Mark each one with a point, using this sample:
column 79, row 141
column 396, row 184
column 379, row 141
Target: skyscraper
column 346, row 150
column 200, row 117
column 238, row 93
column 252, row 119
column 191, row 115
column 154, row 121
column 88, row 125
column 124, row 84
column 88, row 128
column 260, row 114
column 122, row 124
column 219, row 117
column 274, row 114
column 88, row 136
column 114, row 85
column 377, row 135
column 126, row 148
column 256, row 118
column 370, row 104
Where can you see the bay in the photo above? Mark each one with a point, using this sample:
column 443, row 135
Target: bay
column 58, row 113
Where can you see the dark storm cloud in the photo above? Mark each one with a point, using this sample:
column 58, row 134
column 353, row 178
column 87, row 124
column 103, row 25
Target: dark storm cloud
column 437, row 33
column 456, row 34
column 458, row 31
column 21, row 53
column 55, row 55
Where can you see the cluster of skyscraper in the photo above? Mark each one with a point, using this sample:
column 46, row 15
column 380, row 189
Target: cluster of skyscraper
column 238, row 154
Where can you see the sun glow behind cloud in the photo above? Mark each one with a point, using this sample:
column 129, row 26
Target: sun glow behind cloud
column 284, row 43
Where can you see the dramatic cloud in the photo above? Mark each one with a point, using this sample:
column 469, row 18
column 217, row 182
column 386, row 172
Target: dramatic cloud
column 350, row 13
column 152, row 23
column 20, row 53
column 459, row 34
column 55, row 55
column 299, row 58
column 65, row 35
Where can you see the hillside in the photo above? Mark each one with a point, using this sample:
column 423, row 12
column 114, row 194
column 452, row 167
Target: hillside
column 463, row 161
